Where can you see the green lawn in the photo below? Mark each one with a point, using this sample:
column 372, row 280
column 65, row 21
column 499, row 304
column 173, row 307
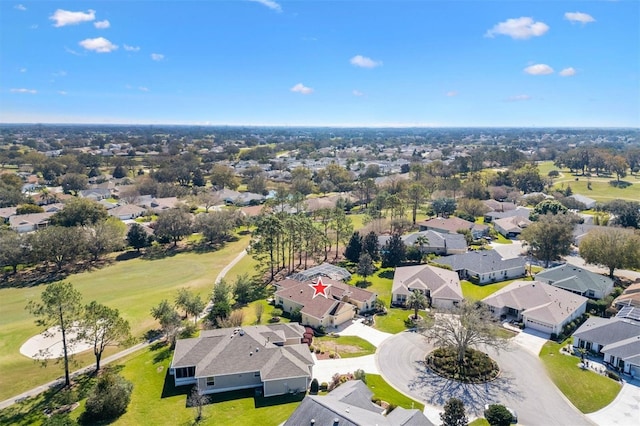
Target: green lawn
column 155, row 401
column 393, row 321
column 132, row 286
column 385, row 392
column 380, row 283
column 480, row 421
column 474, row 292
column 501, row 239
column 347, row 346
column 587, row 390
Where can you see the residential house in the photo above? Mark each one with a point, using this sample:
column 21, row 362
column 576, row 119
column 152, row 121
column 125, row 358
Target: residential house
column 95, row 194
column 6, row 213
column 452, row 224
column 519, row 211
column 127, row 211
column 350, row 405
column 538, row 305
column 325, row 269
column 499, row 206
column 485, row 266
column 616, row 339
column 511, row 227
column 577, row 280
column 580, row 230
column 341, row 304
column 29, row 222
column 158, row 205
column 629, row 297
column 270, row 358
column 441, row 286
column 588, row 202
column 436, row 242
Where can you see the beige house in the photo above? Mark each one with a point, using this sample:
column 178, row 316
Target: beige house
column 342, row 303
column 267, row 357
column 539, row 306
column 441, row 286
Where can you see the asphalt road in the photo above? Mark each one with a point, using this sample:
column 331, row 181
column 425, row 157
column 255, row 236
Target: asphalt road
column 522, row 385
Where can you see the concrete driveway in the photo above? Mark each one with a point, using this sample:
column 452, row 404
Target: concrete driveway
column 370, row 334
column 522, row 385
column 508, row 251
column 623, row 411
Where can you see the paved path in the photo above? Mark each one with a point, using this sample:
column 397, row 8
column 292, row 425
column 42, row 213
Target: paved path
column 37, row 390
column 370, row 334
column 522, row 384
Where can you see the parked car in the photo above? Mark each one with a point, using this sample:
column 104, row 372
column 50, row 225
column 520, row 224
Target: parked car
column 514, row 415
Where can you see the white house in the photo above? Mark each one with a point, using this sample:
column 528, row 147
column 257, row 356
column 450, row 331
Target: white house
column 441, row 286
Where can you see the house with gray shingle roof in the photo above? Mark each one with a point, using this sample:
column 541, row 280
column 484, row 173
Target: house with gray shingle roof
column 538, row 305
column 577, row 280
column 266, row 357
column 440, row 286
column 616, row 339
column 452, row 224
column 485, row 266
column 350, row 405
column 437, row 242
column 511, row 227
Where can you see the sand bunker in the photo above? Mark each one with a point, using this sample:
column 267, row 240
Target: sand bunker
column 48, row 345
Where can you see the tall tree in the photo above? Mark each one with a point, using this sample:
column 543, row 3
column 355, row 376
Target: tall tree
column 549, row 237
column 57, row 244
column 365, row 266
column 342, row 226
column 173, row 225
column 103, row 326
column 416, row 195
column 169, row 320
column 72, row 183
column 265, row 241
column 370, row 245
column 354, row 247
column 105, row 237
column 416, row 301
column 454, row 413
column 191, row 303
column 80, row 212
column 393, row 252
column 13, row 250
column 613, row 248
column 443, row 206
column 137, row 237
column 243, row 289
column 467, row 325
column 60, row 307
column 221, row 303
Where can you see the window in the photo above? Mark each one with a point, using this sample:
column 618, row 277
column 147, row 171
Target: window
column 256, row 374
column 211, row 381
column 184, row 372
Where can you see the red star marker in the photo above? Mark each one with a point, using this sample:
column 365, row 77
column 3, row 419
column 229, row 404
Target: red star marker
column 320, row 288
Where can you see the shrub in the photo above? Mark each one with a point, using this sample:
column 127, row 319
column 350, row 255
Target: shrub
column 324, row 386
column 332, row 355
column 612, row 375
column 312, row 349
column 360, row 375
column 391, row 407
column 498, row 415
column 314, row 386
column 277, row 312
column 318, row 350
column 108, row 399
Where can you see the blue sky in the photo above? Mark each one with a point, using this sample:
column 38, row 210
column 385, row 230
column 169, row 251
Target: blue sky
column 327, row 63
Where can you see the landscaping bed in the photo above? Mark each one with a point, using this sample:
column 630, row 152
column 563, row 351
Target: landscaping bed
column 477, row 367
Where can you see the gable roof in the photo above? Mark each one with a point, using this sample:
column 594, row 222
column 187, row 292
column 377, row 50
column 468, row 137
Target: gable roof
column 518, row 211
column 450, row 224
column 125, row 210
column 513, row 224
column 250, row 349
column 33, row 219
column 574, row 278
column 481, row 262
column 437, row 240
column 630, row 296
column 350, row 405
column 442, row 283
column 538, row 300
column 607, row 331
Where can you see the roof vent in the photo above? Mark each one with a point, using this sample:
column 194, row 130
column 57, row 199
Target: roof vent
column 257, row 349
column 336, row 421
column 241, row 332
column 250, row 353
column 313, row 421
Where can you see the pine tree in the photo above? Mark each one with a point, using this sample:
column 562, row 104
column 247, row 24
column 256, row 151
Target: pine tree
column 354, row 248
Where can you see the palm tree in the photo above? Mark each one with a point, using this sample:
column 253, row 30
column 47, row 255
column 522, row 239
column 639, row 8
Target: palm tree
column 417, row 300
column 421, row 241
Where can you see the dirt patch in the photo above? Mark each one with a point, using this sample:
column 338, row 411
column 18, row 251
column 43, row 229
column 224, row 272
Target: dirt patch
column 340, row 349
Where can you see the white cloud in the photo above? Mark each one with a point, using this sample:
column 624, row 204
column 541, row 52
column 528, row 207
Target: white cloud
column 62, row 92
column 357, row 93
column 568, row 72
column 451, row 94
column 66, row 17
column 364, row 62
column 270, row 4
column 143, row 89
column 98, row 44
column 518, row 98
column 301, row 88
column 131, row 48
column 579, row 17
column 539, row 69
column 30, row 91
column 157, row 56
column 20, row 7
column 518, row 28
column 101, row 25
column 23, row 70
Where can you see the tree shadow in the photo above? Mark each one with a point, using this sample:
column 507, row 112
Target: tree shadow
column 438, row 390
column 128, row 255
column 386, row 274
column 620, row 184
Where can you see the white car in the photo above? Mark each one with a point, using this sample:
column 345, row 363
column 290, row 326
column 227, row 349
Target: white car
column 514, row 415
